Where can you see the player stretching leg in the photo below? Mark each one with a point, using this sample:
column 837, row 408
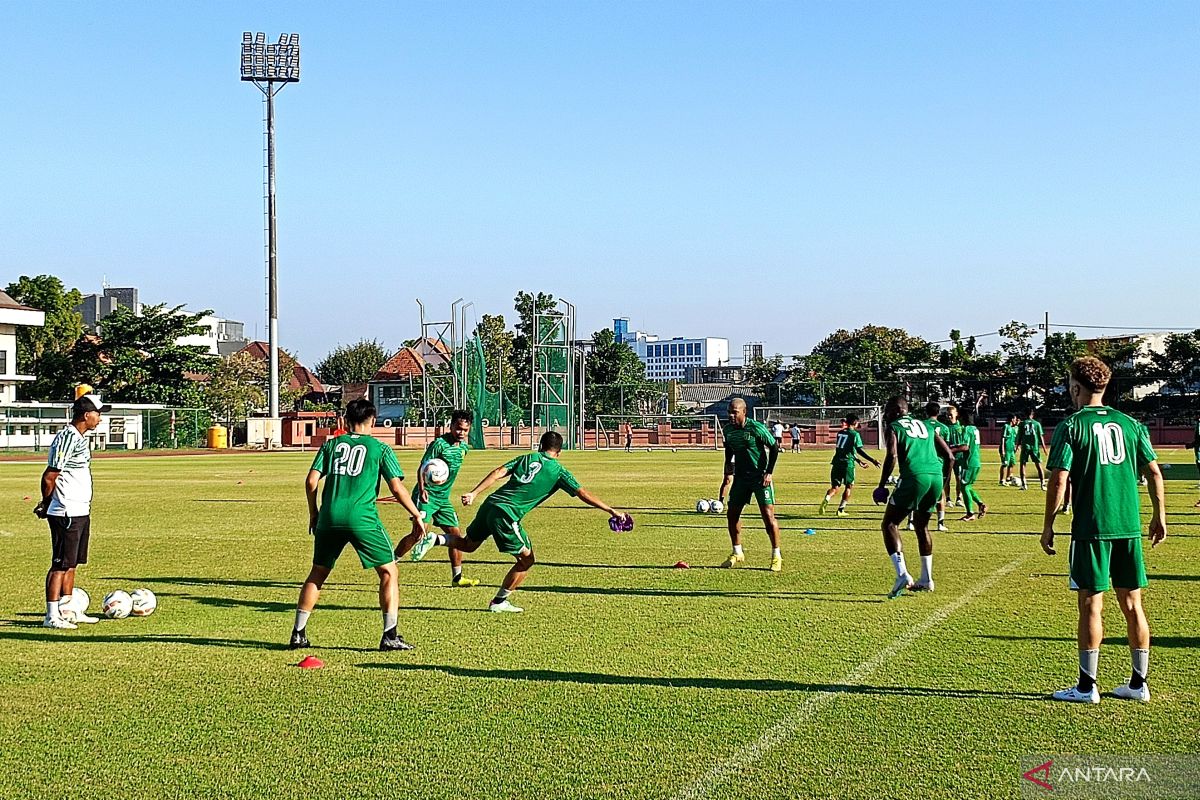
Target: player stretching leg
column 532, row 479
column 970, row 470
column 845, row 456
column 1008, row 449
column 750, row 454
column 434, row 501
column 1103, row 451
column 352, row 466
column 1033, row 443
column 916, row 448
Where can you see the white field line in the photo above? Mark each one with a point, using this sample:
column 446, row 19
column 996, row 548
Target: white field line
column 782, row 730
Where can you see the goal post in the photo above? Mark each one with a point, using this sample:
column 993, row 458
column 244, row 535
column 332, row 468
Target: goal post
column 658, row 432
column 819, row 425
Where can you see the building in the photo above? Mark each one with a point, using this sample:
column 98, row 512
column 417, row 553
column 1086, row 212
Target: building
column 95, row 307
column 393, row 387
column 670, row 359
column 13, row 316
column 302, row 379
column 1147, row 343
column 222, row 337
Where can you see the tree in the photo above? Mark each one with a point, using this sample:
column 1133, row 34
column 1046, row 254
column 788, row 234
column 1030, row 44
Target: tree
column 1053, row 363
column 763, row 373
column 352, row 363
column 497, row 342
column 526, row 305
column 45, row 352
column 235, row 389
column 138, row 358
column 616, row 377
column 1180, row 360
column 872, row 355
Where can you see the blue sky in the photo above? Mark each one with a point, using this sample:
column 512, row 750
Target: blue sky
column 760, row 171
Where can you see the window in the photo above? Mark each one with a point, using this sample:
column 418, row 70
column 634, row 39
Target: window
column 3, row 362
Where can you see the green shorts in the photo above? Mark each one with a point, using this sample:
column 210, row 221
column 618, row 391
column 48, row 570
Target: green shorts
column 1034, row 455
column 1097, row 565
column 741, row 492
column 841, row 474
column 970, row 473
column 490, row 522
column 1007, row 458
column 373, row 546
column 438, row 511
column 917, row 493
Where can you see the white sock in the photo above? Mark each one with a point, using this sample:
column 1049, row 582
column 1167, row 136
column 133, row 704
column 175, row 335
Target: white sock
column 439, row 539
column 737, row 549
column 926, row 569
column 389, row 621
column 501, row 595
column 842, row 506
column 301, row 619
column 1089, row 662
column 776, row 554
column 942, row 515
column 898, row 563
column 1141, row 665
column 52, row 609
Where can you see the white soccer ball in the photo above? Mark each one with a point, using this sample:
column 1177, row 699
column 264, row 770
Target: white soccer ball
column 143, row 603
column 716, row 507
column 117, row 605
column 702, row 506
column 80, row 600
column 436, row 471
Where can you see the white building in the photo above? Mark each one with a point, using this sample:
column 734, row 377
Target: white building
column 222, row 337
column 1148, row 343
column 12, row 316
column 669, row 359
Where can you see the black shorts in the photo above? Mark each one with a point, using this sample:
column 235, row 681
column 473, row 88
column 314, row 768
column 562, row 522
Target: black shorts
column 69, row 541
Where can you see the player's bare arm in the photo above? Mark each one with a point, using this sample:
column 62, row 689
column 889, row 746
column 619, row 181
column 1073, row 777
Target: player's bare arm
column 49, row 481
column 862, row 452
column 596, row 502
column 396, row 486
column 488, row 480
column 889, row 458
column 1158, row 519
column 727, row 475
column 945, row 450
column 772, row 457
column 311, row 482
column 1055, row 493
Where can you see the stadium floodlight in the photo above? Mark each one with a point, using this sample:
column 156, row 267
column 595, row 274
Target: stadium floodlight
column 270, row 67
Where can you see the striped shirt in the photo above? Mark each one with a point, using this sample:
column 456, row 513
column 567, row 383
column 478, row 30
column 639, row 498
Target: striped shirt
column 71, row 457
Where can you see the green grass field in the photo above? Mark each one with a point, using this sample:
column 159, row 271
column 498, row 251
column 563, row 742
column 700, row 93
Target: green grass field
column 624, row 678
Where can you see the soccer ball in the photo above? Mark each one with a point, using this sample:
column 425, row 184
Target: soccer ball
column 703, row 506
column 436, row 471
column 80, row 600
column 892, row 480
column 117, row 605
column 143, row 603
column 716, row 506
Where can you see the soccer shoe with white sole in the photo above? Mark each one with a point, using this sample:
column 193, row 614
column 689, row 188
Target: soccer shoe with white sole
column 393, row 642
column 902, row 584
column 841, row 512
column 776, row 563
column 942, row 527
column 1124, row 692
column 423, row 546
column 912, row 527
column 58, row 623
column 1073, row 695
column 79, row 618
column 504, row 607
column 299, row 641
column 463, row 583
column 824, row 505
column 922, row 586
column 733, row 560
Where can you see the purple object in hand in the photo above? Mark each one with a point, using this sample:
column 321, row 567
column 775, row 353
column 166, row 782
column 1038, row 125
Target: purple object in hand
column 621, row 524
column 880, row 495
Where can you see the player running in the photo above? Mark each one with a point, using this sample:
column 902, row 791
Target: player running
column 532, row 479
column 750, row 454
column 845, row 456
column 1033, row 443
column 916, row 447
column 969, row 472
column 434, row 502
column 352, row 466
column 1103, row 451
column 1008, row 449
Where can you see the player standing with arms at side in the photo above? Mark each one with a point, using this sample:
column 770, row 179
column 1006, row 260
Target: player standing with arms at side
column 66, row 505
column 777, row 432
column 1103, row 451
column 795, row 433
column 846, row 455
column 532, row 479
column 915, row 447
column 750, row 455
column 1033, row 443
column 352, row 466
column 1008, row 449
column 434, row 502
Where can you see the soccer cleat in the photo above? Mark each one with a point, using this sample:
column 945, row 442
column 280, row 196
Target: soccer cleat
column 841, row 512
column 504, row 607
column 922, row 586
column 81, row 619
column 1066, row 509
column 299, row 641
column 1124, row 692
column 58, row 623
column 982, row 510
column 463, row 583
column 1024, row 487
column 1073, row 695
column 903, row 583
column 824, row 505
column 1043, row 486
column 942, row 527
column 911, row 527
column 733, row 560
column 959, row 504
column 394, row 642
column 776, row 563
column 423, row 546
column 968, row 518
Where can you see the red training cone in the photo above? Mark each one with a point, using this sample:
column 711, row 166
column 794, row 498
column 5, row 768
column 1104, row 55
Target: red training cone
column 681, row 565
column 310, row 662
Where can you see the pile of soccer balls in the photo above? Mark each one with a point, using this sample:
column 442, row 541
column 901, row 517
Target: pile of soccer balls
column 116, row 605
column 710, row 506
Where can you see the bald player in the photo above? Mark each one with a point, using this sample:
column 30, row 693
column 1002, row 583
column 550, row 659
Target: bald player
column 750, row 455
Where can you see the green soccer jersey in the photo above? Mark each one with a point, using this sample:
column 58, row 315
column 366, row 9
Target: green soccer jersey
column 749, row 448
column 915, row 447
column 1196, row 443
column 352, row 465
column 957, row 436
column 848, row 443
column 1105, row 452
column 533, row 477
column 935, row 424
column 971, row 439
column 453, row 455
column 1010, row 437
column 1032, row 434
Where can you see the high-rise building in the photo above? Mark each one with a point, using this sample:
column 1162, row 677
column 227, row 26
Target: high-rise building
column 669, row 359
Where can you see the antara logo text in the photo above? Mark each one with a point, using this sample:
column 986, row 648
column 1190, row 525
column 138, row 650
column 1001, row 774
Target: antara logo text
column 1042, row 774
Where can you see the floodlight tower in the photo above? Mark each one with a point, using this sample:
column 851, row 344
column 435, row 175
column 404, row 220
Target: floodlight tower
column 270, row 67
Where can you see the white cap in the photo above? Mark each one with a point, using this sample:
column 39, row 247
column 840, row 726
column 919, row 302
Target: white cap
column 97, row 403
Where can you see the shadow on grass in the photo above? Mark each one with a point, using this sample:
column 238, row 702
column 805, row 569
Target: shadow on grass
column 720, row 684
column 828, row 597
column 183, row 580
column 33, row 632
column 1155, row 641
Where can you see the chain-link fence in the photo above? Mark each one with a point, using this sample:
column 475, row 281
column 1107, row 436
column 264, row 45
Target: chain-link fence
column 33, row 426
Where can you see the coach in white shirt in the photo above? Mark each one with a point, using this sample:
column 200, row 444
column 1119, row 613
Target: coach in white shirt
column 67, row 505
